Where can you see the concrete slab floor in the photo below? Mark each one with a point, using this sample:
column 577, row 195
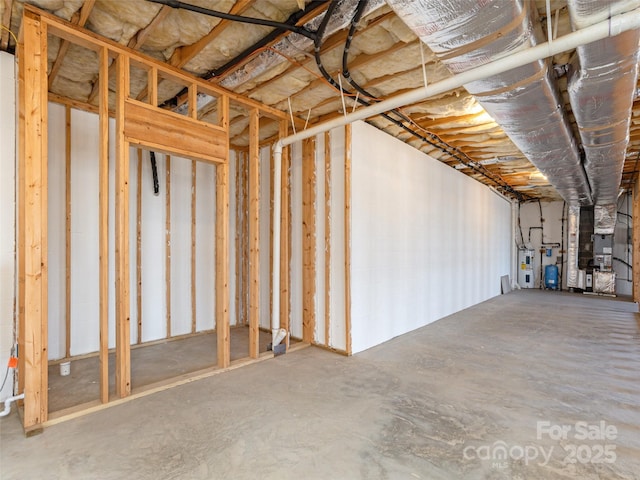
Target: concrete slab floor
column 485, row 393
column 149, row 364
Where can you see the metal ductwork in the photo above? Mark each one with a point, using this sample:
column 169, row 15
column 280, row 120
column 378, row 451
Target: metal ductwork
column 525, row 100
column 602, row 85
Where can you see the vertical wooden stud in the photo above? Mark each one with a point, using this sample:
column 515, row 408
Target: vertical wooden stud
column 636, row 240
column 123, row 313
column 238, row 239
column 327, row 238
column 222, row 247
column 103, row 194
column 254, row 233
column 67, row 182
column 285, row 236
column 193, row 246
column 308, row 239
column 347, row 234
column 193, row 100
column 21, row 187
column 245, row 239
column 139, row 247
column 152, row 86
column 32, row 269
column 168, row 245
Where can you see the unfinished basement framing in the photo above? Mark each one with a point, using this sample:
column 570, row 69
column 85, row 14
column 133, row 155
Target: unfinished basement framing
column 139, row 123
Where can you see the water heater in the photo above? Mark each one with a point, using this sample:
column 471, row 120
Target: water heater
column 526, row 278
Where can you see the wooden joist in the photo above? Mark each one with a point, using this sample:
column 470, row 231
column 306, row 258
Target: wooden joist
column 308, row 239
column 254, row 234
column 285, row 236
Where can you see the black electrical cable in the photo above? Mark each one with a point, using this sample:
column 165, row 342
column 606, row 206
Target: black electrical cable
column 154, row 171
column 435, row 141
column 623, row 262
column 237, row 18
column 291, row 21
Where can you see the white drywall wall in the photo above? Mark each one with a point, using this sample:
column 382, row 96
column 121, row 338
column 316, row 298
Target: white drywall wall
column 7, row 216
column 205, row 246
column 180, row 246
column 337, row 326
column 426, row 240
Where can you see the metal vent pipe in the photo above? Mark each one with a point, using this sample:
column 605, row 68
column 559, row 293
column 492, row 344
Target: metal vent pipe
column 524, row 101
column 602, row 86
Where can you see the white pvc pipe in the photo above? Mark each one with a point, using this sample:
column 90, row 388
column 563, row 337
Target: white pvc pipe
column 607, row 28
column 7, row 404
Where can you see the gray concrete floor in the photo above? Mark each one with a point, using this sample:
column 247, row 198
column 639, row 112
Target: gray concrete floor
column 424, row 405
column 149, row 364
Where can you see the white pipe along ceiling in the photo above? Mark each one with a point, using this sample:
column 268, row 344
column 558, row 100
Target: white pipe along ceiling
column 578, row 193
column 602, row 85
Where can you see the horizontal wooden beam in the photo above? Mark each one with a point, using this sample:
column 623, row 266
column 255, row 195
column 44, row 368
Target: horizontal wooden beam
column 171, row 133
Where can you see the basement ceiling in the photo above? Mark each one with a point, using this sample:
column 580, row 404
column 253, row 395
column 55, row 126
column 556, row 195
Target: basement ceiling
column 276, row 66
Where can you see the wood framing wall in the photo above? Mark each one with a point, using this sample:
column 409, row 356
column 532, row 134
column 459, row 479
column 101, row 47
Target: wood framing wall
column 138, row 122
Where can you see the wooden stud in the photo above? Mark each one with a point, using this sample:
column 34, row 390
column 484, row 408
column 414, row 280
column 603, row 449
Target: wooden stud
column 152, row 86
column 193, row 246
column 636, row 240
column 139, row 247
column 32, row 269
column 254, row 233
column 103, row 193
column 245, row 239
column 285, row 237
column 168, row 245
column 347, row 234
column 308, row 239
column 238, row 237
column 67, row 187
column 123, row 314
column 327, row 238
column 21, row 187
column 222, row 249
column 193, row 100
